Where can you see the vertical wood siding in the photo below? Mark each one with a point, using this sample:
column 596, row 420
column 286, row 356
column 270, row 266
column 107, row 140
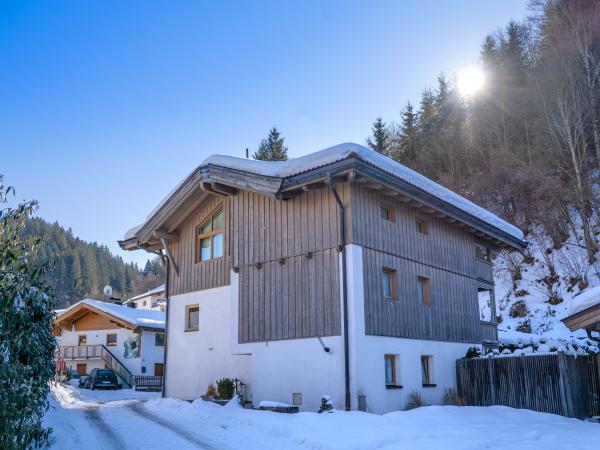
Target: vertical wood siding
column 204, row 275
column 445, row 255
column 297, row 299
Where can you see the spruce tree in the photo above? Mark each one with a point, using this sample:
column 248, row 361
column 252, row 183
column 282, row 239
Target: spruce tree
column 272, row 148
column 408, row 136
column 380, row 140
column 26, row 332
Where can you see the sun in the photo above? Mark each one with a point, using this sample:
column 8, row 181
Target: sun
column 470, row 81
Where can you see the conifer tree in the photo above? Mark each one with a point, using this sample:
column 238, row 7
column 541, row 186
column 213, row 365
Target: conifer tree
column 380, row 139
column 272, row 148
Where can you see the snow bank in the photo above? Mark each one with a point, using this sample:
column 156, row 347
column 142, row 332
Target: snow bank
column 138, row 317
column 435, row 427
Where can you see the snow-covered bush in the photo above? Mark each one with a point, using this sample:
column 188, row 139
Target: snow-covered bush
column 415, row 400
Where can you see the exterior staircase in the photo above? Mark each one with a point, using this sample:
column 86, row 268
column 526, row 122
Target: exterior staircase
column 98, row 351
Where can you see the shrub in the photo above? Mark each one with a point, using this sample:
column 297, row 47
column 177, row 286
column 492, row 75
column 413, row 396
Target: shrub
column 211, row 390
column 518, row 309
column 473, row 352
column 226, row 388
column 524, row 327
column 451, row 397
column 26, row 333
column 415, row 401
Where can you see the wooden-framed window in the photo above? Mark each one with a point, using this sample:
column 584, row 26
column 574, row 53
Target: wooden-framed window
column 159, row 339
column 111, row 340
column 421, row 225
column 389, row 279
column 423, row 290
column 210, row 237
column 82, row 339
column 483, row 253
column 426, row 366
column 192, row 315
column 386, row 212
column 390, row 370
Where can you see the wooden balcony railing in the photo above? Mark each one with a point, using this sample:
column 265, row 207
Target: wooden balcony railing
column 98, row 351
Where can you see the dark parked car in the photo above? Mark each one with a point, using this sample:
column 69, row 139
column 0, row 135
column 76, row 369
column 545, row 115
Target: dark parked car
column 102, row 378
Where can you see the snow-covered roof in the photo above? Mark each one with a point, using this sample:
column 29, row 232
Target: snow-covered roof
column 585, row 300
column 285, row 169
column 145, row 318
column 296, row 166
column 156, row 290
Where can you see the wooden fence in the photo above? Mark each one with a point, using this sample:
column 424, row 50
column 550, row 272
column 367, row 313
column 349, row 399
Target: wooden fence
column 560, row 384
column 148, row 383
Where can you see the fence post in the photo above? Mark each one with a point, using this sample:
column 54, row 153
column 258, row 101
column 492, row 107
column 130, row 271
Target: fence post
column 565, row 388
column 490, row 370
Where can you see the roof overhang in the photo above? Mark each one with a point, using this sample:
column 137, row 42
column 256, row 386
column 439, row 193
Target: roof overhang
column 67, row 318
column 587, row 319
column 214, row 179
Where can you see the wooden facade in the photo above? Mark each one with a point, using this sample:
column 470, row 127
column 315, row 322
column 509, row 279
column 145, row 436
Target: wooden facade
column 287, row 257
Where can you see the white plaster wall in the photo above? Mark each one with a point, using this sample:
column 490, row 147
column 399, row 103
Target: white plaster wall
column 367, row 375
column 281, row 368
column 197, row 358
column 95, row 337
column 150, row 352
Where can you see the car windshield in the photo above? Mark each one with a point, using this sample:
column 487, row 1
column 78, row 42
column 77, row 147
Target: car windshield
column 104, row 372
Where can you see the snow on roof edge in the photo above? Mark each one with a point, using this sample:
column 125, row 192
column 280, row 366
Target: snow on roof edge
column 585, row 300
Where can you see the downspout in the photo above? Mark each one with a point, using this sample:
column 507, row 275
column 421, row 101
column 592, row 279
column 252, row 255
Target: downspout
column 344, row 291
column 164, row 386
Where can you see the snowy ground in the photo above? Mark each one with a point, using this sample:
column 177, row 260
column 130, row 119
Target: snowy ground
column 82, row 423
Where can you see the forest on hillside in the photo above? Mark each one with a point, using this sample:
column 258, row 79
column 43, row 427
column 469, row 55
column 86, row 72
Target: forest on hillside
column 80, row 269
column 526, row 146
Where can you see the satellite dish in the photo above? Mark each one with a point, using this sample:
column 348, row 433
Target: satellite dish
column 108, row 290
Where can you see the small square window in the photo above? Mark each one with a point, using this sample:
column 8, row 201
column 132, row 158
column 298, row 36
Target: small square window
column 111, row 340
column 386, row 212
column 389, row 282
column 390, row 370
column 192, row 315
column 426, row 376
column 82, row 339
column 421, row 225
column 159, row 339
column 423, row 290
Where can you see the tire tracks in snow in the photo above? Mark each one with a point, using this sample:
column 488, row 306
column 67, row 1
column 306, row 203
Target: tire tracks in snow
column 142, row 411
column 107, row 433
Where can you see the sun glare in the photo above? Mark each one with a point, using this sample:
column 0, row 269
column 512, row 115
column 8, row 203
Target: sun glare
column 470, row 80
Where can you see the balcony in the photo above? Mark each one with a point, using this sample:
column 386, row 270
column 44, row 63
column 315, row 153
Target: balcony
column 80, row 352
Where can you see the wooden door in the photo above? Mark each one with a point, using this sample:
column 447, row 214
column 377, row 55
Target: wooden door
column 158, row 369
column 82, row 369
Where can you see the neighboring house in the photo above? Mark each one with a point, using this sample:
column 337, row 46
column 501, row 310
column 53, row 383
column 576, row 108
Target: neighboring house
column 95, row 334
column 584, row 313
column 153, row 299
column 269, row 261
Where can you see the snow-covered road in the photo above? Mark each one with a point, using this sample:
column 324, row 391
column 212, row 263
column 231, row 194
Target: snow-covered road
column 126, row 419
column 113, row 420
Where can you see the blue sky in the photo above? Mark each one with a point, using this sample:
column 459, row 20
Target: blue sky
column 106, row 105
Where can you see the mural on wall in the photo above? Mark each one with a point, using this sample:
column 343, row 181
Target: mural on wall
column 132, row 346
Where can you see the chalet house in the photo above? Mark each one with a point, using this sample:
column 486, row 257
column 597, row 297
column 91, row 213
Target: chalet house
column 95, row 334
column 341, row 272
column 152, row 299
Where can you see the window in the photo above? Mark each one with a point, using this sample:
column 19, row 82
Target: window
column 191, row 317
column 486, row 305
column 111, row 340
column 426, row 361
column 159, row 339
column 423, row 290
column 421, row 225
column 483, row 253
column 386, row 212
column 209, row 237
column 389, row 280
column 82, row 339
column 390, row 370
